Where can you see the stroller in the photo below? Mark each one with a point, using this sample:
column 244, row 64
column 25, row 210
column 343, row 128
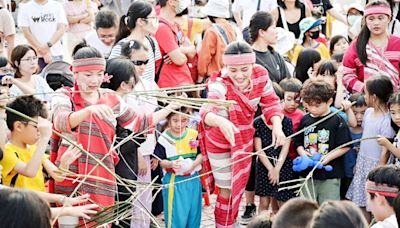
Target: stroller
column 58, row 74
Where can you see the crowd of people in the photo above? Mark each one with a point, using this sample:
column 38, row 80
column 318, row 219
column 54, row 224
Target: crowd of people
column 155, row 104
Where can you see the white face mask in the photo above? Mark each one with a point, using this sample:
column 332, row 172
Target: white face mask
column 182, row 5
column 352, row 19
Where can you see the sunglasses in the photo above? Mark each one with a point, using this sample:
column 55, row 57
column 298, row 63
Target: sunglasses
column 140, row 62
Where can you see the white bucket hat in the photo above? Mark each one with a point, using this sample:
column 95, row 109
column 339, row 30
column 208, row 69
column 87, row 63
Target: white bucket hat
column 286, row 41
column 217, row 8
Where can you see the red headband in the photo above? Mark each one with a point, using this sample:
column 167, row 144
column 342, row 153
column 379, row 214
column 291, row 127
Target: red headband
column 381, row 189
column 88, row 64
column 377, row 10
column 240, row 59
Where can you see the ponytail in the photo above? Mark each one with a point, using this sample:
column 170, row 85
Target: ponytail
column 123, row 30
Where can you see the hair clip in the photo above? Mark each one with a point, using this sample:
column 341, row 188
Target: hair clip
column 131, row 43
column 107, row 78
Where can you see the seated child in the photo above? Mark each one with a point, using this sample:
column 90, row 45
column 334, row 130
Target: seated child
column 302, row 208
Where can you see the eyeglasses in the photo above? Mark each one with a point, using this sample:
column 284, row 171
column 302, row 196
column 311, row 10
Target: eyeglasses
column 140, row 62
column 30, row 59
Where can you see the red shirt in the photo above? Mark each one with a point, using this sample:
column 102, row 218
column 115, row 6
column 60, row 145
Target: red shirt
column 168, row 37
column 296, row 117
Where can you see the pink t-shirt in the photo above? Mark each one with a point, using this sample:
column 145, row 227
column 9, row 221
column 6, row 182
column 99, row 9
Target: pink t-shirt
column 75, row 8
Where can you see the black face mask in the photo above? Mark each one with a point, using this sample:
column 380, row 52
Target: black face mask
column 314, row 35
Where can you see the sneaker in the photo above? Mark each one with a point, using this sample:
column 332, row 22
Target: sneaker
column 248, row 214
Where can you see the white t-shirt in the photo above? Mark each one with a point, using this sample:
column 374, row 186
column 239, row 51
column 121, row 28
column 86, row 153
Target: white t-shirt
column 43, row 20
column 93, row 40
column 150, row 71
column 249, row 7
column 41, row 87
column 390, row 222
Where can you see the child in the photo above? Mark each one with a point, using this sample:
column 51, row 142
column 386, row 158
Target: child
column 328, row 72
column 322, row 138
column 382, row 190
column 302, row 208
column 180, row 159
column 356, row 133
column 291, row 103
column 376, row 122
column 394, row 108
column 273, row 165
column 24, row 156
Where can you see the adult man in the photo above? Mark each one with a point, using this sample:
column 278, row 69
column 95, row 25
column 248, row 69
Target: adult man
column 43, row 23
column 7, row 31
column 106, row 29
column 174, row 49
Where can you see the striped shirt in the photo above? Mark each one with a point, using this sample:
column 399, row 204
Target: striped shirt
column 153, row 56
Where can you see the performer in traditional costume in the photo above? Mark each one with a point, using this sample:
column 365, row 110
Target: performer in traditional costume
column 227, row 134
column 375, row 52
column 89, row 115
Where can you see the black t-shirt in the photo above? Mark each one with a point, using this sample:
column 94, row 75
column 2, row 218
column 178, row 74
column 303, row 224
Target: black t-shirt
column 265, row 133
column 323, row 138
column 322, row 5
column 274, row 63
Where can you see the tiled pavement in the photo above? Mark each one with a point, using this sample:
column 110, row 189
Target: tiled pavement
column 207, row 216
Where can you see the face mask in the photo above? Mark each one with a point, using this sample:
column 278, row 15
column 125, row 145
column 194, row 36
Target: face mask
column 314, row 35
column 352, row 19
column 182, row 5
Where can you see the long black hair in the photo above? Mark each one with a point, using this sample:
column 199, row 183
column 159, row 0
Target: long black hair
column 307, row 58
column 122, row 70
column 260, row 20
column 138, row 9
column 365, row 34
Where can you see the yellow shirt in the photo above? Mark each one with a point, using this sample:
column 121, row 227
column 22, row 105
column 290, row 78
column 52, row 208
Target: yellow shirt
column 321, row 49
column 197, row 28
column 10, row 160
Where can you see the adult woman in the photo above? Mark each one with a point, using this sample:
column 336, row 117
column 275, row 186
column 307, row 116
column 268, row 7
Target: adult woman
column 24, row 60
column 289, row 14
column 374, row 52
column 90, row 116
column 229, row 133
column 80, row 15
column 140, row 22
column 263, row 34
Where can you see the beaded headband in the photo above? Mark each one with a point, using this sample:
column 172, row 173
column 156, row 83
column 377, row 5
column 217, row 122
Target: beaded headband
column 240, row 59
column 88, row 64
column 381, row 189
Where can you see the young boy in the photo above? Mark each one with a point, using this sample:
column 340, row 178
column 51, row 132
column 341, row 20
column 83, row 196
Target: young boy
column 303, row 210
column 323, row 138
column 24, row 156
column 383, row 184
column 356, row 133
